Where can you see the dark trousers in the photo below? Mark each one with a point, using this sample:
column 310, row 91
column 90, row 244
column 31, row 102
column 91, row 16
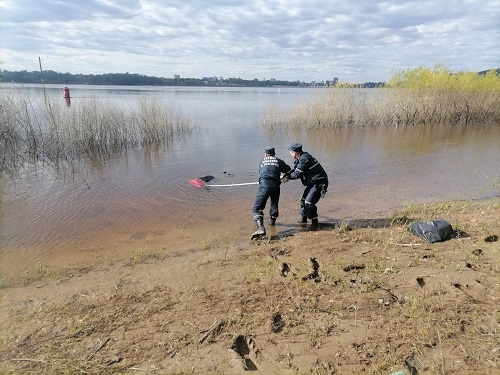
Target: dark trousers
column 311, row 196
column 267, row 189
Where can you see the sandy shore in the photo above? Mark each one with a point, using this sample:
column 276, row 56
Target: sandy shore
column 364, row 297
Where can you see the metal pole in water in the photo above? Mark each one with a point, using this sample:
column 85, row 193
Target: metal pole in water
column 41, row 71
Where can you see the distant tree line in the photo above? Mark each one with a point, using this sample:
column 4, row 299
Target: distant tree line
column 127, row 79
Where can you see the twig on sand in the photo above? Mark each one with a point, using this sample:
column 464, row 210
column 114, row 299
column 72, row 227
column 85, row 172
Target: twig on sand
column 409, row 244
column 99, row 348
column 28, row 360
column 213, row 330
column 140, row 369
column 79, row 369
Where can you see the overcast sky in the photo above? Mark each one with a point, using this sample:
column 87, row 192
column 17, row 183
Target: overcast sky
column 308, row 40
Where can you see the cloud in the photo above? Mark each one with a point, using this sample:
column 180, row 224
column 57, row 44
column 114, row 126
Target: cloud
column 284, row 39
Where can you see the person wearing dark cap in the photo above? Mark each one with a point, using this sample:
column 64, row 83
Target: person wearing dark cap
column 270, row 171
column 313, row 177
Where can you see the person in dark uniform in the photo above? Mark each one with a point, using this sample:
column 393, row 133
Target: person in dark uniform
column 313, row 177
column 270, row 171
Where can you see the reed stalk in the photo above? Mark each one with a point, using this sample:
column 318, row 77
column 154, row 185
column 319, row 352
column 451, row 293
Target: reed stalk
column 44, row 130
column 411, row 98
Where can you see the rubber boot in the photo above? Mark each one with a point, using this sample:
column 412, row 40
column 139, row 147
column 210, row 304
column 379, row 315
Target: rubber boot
column 303, row 220
column 314, row 224
column 260, row 230
column 272, row 221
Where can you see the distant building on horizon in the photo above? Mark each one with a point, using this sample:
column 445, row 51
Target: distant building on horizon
column 332, row 83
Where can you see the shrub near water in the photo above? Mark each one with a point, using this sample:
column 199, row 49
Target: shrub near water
column 44, row 130
column 411, row 97
column 425, row 96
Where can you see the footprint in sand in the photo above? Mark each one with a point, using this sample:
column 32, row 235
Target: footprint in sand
column 315, row 274
column 287, row 269
column 244, row 353
column 277, row 323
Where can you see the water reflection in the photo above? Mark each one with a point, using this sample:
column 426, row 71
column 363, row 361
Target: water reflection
column 122, row 203
column 392, row 166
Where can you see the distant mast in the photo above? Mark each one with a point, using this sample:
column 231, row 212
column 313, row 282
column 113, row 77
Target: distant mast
column 41, row 71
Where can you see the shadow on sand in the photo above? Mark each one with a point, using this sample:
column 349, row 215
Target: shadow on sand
column 274, row 234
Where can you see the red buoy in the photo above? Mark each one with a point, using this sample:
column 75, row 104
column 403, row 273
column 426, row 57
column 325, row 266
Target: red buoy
column 197, row 183
column 66, row 93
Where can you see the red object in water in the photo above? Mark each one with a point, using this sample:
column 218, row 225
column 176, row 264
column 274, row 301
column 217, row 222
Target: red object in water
column 66, row 93
column 197, row 183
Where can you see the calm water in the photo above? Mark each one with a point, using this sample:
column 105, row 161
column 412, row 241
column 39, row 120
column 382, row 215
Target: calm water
column 141, row 201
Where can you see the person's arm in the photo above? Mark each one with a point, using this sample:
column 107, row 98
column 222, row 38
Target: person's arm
column 299, row 168
column 285, row 168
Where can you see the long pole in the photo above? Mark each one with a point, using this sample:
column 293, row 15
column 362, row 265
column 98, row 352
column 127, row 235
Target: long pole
column 41, row 71
column 229, row 185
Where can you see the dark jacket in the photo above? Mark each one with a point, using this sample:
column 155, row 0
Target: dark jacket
column 309, row 170
column 271, row 168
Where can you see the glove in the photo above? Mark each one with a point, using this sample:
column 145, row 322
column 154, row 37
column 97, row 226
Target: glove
column 284, row 179
column 323, row 190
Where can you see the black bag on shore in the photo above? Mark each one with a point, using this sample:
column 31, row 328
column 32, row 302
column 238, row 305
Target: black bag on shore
column 432, row 231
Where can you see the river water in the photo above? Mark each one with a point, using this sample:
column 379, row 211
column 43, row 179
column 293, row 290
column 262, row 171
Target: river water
column 140, row 201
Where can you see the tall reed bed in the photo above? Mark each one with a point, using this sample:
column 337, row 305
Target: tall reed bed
column 413, row 97
column 45, row 130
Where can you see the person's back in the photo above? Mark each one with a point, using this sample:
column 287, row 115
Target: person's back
column 270, row 170
column 272, row 167
column 309, row 170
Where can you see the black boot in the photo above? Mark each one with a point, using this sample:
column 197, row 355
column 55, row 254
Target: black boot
column 314, row 224
column 260, row 230
column 272, row 221
column 303, row 219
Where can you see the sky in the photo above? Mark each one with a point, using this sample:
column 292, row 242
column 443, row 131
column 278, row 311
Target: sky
column 356, row 41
